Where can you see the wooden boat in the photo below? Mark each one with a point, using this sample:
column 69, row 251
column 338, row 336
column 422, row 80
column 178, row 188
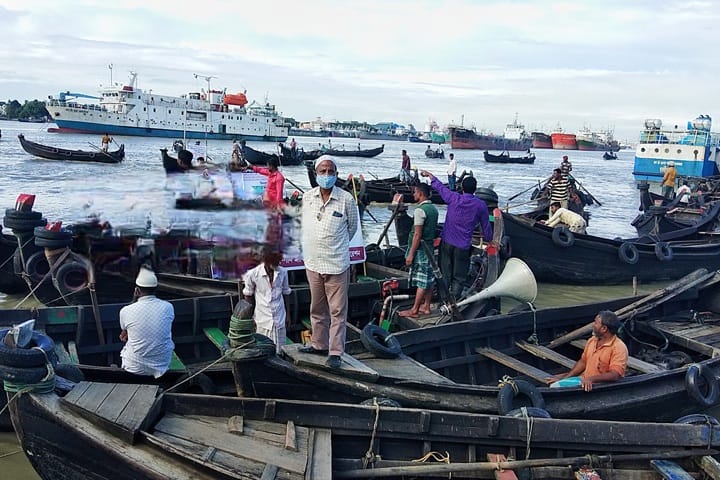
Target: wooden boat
column 506, row 158
column 180, row 436
column 584, row 259
column 609, row 156
column 364, row 153
column 430, row 153
column 476, row 365
column 297, row 157
column 54, row 153
column 256, row 157
column 9, row 282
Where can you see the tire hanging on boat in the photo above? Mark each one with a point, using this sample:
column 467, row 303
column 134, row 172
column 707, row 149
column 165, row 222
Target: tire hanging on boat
column 563, row 237
column 698, row 419
column 663, row 251
column 379, row 342
column 37, row 266
column 511, row 389
column 71, row 277
column 628, row 253
column 41, row 349
column 693, row 376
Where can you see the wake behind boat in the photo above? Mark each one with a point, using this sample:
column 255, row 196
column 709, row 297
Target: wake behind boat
column 55, row 153
column 128, row 110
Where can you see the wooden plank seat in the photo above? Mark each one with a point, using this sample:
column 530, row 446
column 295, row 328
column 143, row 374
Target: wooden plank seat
column 176, row 365
column 515, row 364
column 546, row 353
column 633, row 363
column 216, row 336
column 63, row 355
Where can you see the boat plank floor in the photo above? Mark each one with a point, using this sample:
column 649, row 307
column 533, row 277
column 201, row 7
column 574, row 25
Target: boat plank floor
column 405, row 368
column 671, row 329
column 515, row 364
column 257, row 449
column 350, row 365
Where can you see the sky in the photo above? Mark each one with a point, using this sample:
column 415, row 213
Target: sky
column 584, row 63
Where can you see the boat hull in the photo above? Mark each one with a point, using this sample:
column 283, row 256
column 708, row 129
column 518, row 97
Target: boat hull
column 463, row 138
column 564, row 141
column 541, row 140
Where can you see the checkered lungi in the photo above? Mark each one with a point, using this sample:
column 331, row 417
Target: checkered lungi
column 421, row 272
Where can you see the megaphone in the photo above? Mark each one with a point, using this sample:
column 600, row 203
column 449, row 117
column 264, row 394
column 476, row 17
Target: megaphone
column 516, row 281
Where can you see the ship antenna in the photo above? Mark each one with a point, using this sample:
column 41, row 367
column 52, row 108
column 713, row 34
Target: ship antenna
column 207, row 78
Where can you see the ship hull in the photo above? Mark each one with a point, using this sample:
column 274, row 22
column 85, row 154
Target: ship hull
column 463, row 138
column 590, row 146
column 564, row 141
column 541, row 140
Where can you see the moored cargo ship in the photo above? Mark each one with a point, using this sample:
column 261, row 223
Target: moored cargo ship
column 541, row 140
column 563, row 141
column 595, row 141
column 128, row 110
column 515, row 138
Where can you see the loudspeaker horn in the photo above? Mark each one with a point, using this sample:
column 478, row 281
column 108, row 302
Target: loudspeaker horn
column 516, row 281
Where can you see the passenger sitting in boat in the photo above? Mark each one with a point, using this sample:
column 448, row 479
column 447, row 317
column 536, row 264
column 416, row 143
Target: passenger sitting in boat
column 604, row 359
column 576, row 223
column 147, row 329
column 683, row 192
column 575, row 202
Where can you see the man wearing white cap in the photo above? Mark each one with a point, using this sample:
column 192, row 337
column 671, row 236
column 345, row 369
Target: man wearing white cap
column 147, row 329
column 668, row 181
column 329, row 221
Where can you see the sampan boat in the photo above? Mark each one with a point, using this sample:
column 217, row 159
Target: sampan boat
column 506, row 158
column 109, row 431
column 499, row 363
column 55, row 153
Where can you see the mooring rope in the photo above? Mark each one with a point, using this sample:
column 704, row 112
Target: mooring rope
column 369, row 455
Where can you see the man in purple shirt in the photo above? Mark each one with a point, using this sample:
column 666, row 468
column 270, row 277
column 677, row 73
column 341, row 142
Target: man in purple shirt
column 464, row 212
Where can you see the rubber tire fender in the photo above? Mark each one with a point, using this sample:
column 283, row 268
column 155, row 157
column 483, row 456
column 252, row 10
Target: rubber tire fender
column 28, row 357
column 22, row 375
column 61, row 281
column 531, row 412
column 663, row 251
column 692, row 377
column 48, row 243
column 507, row 394
column 698, row 419
column 23, row 224
column 379, row 342
column 22, row 215
column 628, row 253
column 31, row 266
column 70, row 372
column 382, row 401
column 40, row 232
column 505, row 247
column 563, row 237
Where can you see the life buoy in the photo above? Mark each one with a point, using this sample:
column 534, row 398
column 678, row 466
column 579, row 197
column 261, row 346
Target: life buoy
column 505, row 247
column 628, row 253
column 39, row 352
column 698, row 419
column 694, row 373
column 525, row 412
column 510, row 390
column 663, row 251
column 563, row 237
column 379, row 342
column 37, row 266
column 71, row 277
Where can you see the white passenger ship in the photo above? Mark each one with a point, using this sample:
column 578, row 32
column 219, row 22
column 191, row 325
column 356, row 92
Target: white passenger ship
column 128, row 110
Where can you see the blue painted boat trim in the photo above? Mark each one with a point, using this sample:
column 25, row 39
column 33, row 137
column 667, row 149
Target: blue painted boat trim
column 649, row 168
column 87, row 127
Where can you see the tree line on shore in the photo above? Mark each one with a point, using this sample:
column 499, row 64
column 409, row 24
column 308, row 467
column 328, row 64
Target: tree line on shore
column 14, row 110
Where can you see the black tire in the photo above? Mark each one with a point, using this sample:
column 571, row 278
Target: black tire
column 529, row 412
column 628, row 253
column 40, row 232
column 28, row 357
column 70, row 372
column 20, row 215
column 22, row 225
column 698, row 378
column 22, row 375
column 37, row 266
column 507, row 394
column 71, row 277
column 379, row 342
column 382, row 401
column 563, row 237
column 663, row 252
column 46, row 243
column 505, row 247
column 698, row 419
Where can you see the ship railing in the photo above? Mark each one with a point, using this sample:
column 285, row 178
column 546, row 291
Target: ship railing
column 691, row 137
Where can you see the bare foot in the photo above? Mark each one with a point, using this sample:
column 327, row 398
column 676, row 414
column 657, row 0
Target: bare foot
column 407, row 314
column 424, row 312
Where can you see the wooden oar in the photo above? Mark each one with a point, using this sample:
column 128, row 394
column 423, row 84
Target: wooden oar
column 586, row 190
column 351, row 179
column 100, row 150
column 293, row 184
column 387, row 225
column 656, row 298
column 526, row 190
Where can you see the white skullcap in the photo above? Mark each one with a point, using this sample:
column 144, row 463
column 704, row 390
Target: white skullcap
column 146, row 279
column 322, row 158
column 671, row 164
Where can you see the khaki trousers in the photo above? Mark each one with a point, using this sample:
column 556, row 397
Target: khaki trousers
column 328, row 310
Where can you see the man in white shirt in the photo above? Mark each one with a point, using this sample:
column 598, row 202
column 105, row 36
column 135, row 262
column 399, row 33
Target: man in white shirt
column 576, row 223
column 147, row 329
column 683, row 193
column 452, row 169
column 267, row 287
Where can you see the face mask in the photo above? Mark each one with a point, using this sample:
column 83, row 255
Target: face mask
column 326, row 181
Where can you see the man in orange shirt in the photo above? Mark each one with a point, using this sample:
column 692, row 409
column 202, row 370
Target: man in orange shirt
column 668, row 181
column 603, row 360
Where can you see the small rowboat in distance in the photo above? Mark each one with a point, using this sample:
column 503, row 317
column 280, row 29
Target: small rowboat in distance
column 506, row 158
column 54, row 153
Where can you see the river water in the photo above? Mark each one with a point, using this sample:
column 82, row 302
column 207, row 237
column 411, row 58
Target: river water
column 137, row 189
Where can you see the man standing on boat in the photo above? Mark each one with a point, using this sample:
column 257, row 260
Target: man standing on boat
column 274, row 193
column 405, row 175
column 558, row 188
column 464, row 212
column 565, row 166
column 106, row 139
column 329, row 221
column 452, row 169
column 425, row 220
column 147, row 329
column 604, row 359
column 668, row 181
